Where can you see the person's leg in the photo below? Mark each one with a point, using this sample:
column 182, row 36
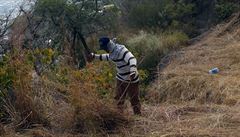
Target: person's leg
column 133, row 93
column 121, row 92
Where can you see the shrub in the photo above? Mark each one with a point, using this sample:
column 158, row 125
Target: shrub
column 192, row 17
column 225, row 9
column 159, row 14
column 6, row 74
column 21, row 103
column 93, row 116
column 28, row 106
column 91, row 90
column 85, row 96
column 150, row 48
column 6, row 81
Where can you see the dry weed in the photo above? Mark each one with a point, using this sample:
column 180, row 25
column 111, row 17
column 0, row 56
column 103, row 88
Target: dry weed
column 186, row 78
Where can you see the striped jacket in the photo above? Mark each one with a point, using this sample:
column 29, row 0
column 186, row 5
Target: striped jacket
column 126, row 63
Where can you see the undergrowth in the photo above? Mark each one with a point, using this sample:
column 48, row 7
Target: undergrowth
column 85, row 92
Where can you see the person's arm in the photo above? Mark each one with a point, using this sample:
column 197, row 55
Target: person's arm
column 132, row 61
column 101, row 57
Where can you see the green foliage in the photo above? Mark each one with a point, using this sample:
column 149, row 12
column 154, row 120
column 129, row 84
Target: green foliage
column 6, row 74
column 188, row 16
column 225, row 8
column 72, row 20
column 60, row 75
column 150, row 48
column 155, row 13
column 101, row 74
column 75, row 15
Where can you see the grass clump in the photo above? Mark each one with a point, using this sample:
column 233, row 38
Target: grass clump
column 91, row 95
column 23, row 106
column 150, row 48
column 62, row 98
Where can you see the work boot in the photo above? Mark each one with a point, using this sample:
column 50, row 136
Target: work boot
column 137, row 110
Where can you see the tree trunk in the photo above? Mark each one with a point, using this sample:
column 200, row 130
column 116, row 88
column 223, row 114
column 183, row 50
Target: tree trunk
column 73, row 47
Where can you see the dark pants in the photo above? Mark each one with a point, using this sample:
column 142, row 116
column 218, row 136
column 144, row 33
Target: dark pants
column 130, row 89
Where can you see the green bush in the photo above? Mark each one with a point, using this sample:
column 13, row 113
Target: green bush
column 150, row 48
column 225, row 9
column 158, row 14
column 6, row 81
column 191, row 17
column 6, row 74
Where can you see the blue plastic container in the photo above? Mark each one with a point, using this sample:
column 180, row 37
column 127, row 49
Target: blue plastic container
column 214, row 71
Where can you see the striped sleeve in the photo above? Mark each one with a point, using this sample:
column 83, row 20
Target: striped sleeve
column 132, row 61
column 101, row 57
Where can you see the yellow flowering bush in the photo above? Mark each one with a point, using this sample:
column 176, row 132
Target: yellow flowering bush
column 45, row 55
column 99, row 74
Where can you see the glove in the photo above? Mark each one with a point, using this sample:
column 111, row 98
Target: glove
column 133, row 75
column 90, row 57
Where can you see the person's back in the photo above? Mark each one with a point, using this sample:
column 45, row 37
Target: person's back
column 126, row 63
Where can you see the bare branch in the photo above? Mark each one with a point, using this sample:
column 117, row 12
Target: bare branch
column 5, row 24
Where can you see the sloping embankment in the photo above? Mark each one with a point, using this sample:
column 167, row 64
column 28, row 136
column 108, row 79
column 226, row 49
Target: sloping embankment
column 186, row 101
column 186, row 76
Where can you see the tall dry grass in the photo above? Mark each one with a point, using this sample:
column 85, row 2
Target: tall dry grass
column 186, row 76
column 63, row 99
column 24, row 108
column 94, row 115
column 185, row 120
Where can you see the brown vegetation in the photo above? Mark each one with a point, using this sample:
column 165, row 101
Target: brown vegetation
column 202, row 104
column 186, row 78
column 69, row 104
column 184, row 101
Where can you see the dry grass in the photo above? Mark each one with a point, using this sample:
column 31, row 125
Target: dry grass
column 190, row 120
column 45, row 107
column 185, row 100
column 26, row 107
column 186, row 77
column 93, row 115
column 2, row 130
column 212, row 100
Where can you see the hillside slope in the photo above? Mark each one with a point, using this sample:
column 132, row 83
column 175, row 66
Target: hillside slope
column 186, row 76
column 186, row 100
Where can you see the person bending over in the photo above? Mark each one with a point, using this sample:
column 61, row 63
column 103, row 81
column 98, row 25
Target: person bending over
column 127, row 73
